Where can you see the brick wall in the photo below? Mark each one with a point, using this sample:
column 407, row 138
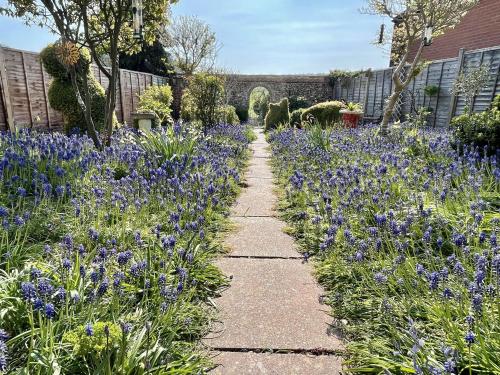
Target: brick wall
column 480, row 28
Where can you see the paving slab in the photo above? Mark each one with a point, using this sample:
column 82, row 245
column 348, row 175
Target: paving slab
column 250, row 363
column 254, row 202
column 260, row 236
column 271, row 304
column 259, row 167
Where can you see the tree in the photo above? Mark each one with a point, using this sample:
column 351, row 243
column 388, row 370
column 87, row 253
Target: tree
column 416, row 22
column 102, row 26
column 203, row 99
column 152, row 59
column 192, row 44
column 469, row 84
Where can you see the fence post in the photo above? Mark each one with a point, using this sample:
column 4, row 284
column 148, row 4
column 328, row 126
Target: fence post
column 5, row 91
column 453, row 102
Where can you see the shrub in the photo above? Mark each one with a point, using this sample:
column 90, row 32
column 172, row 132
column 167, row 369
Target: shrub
column 62, row 96
column 297, row 102
column 203, row 97
column 228, row 115
column 326, row 113
column 296, row 117
column 278, row 114
column 242, row 113
column 496, row 102
column 480, row 129
column 158, row 99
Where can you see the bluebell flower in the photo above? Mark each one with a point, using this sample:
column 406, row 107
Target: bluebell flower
column 470, row 338
column 89, row 330
column 50, row 311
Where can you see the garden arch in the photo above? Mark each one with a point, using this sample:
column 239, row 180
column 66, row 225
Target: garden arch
column 315, row 88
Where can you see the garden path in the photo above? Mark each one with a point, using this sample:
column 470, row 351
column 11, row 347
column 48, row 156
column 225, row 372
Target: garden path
column 271, row 319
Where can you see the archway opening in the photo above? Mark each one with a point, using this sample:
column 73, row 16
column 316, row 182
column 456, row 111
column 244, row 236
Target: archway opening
column 258, row 103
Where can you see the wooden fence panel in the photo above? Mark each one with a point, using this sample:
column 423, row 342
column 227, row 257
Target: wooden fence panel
column 438, row 73
column 25, row 84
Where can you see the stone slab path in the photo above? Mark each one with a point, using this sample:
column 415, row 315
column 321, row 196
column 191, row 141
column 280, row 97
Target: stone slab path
column 271, row 319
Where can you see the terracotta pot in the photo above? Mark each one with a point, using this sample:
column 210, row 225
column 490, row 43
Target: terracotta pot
column 351, row 118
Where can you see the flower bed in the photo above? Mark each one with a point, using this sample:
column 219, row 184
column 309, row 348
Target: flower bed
column 105, row 257
column 403, row 231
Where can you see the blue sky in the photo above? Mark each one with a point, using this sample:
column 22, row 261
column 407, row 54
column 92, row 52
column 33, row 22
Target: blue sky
column 265, row 36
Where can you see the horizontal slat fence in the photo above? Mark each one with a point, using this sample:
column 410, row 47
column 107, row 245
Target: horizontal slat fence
column 373, row 89
column 24, row 86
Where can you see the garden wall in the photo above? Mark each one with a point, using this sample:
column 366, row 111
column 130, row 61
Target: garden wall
column 372, row 89
column 24, row 85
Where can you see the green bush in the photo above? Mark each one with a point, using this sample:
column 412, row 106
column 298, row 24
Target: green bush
column 496, row 102
column 202, row 99
column 227, row 115
column 242, row 113
column 158, row 99
column 296, row 117
column 62, row 96
column 297, row 102
column 326, row 113
column 278, row 114
column 479, row 129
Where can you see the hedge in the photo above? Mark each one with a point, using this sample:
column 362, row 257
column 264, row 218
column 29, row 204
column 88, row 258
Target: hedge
column 326, row 113
column 277, row 114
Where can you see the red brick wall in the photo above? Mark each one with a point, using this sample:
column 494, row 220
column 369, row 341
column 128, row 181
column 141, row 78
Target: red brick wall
column 480, row 28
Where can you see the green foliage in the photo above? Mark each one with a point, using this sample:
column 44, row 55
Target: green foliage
column 50, row 57
column 496, row 102
column 62, row 96
column 342, row 77
column 468, row 84
column 202, row 99
column 297, row 102
column 278, row 114
column 150, row 59
column 242, row 113
column 326, row 113
column 227, row 115
column 259, row 103
column 431, row 90
column 158, row 99
column 480, row 129
column 98, row 342
column 353, row 107
column 296, row 117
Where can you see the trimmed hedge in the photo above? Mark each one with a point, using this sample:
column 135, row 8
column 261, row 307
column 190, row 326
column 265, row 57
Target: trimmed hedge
column 62, row 96
column 278, row 114
column 326, row 113
column 227, row 115
column 296, row 117
column 242, row 113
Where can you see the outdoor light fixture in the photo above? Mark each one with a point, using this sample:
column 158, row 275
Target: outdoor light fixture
column 428, row 35
column 137, row 18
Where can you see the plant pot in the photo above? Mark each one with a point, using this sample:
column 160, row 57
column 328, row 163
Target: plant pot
column 351, row 118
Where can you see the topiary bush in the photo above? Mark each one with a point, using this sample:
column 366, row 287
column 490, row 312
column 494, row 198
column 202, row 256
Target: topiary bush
column 277, row 114
column 326, row 113
column 297, row 102
column 242, row 113
column 227, row 115
column 61, row 94
column 158, row 99
column 296, row 117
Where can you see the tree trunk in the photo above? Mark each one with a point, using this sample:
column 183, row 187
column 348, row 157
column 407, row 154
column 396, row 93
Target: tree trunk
column 85, row 105
column 399, row 86
column 111, row 100
column 389, row 110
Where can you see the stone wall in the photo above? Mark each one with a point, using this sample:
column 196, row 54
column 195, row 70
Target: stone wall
column 315, row 88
